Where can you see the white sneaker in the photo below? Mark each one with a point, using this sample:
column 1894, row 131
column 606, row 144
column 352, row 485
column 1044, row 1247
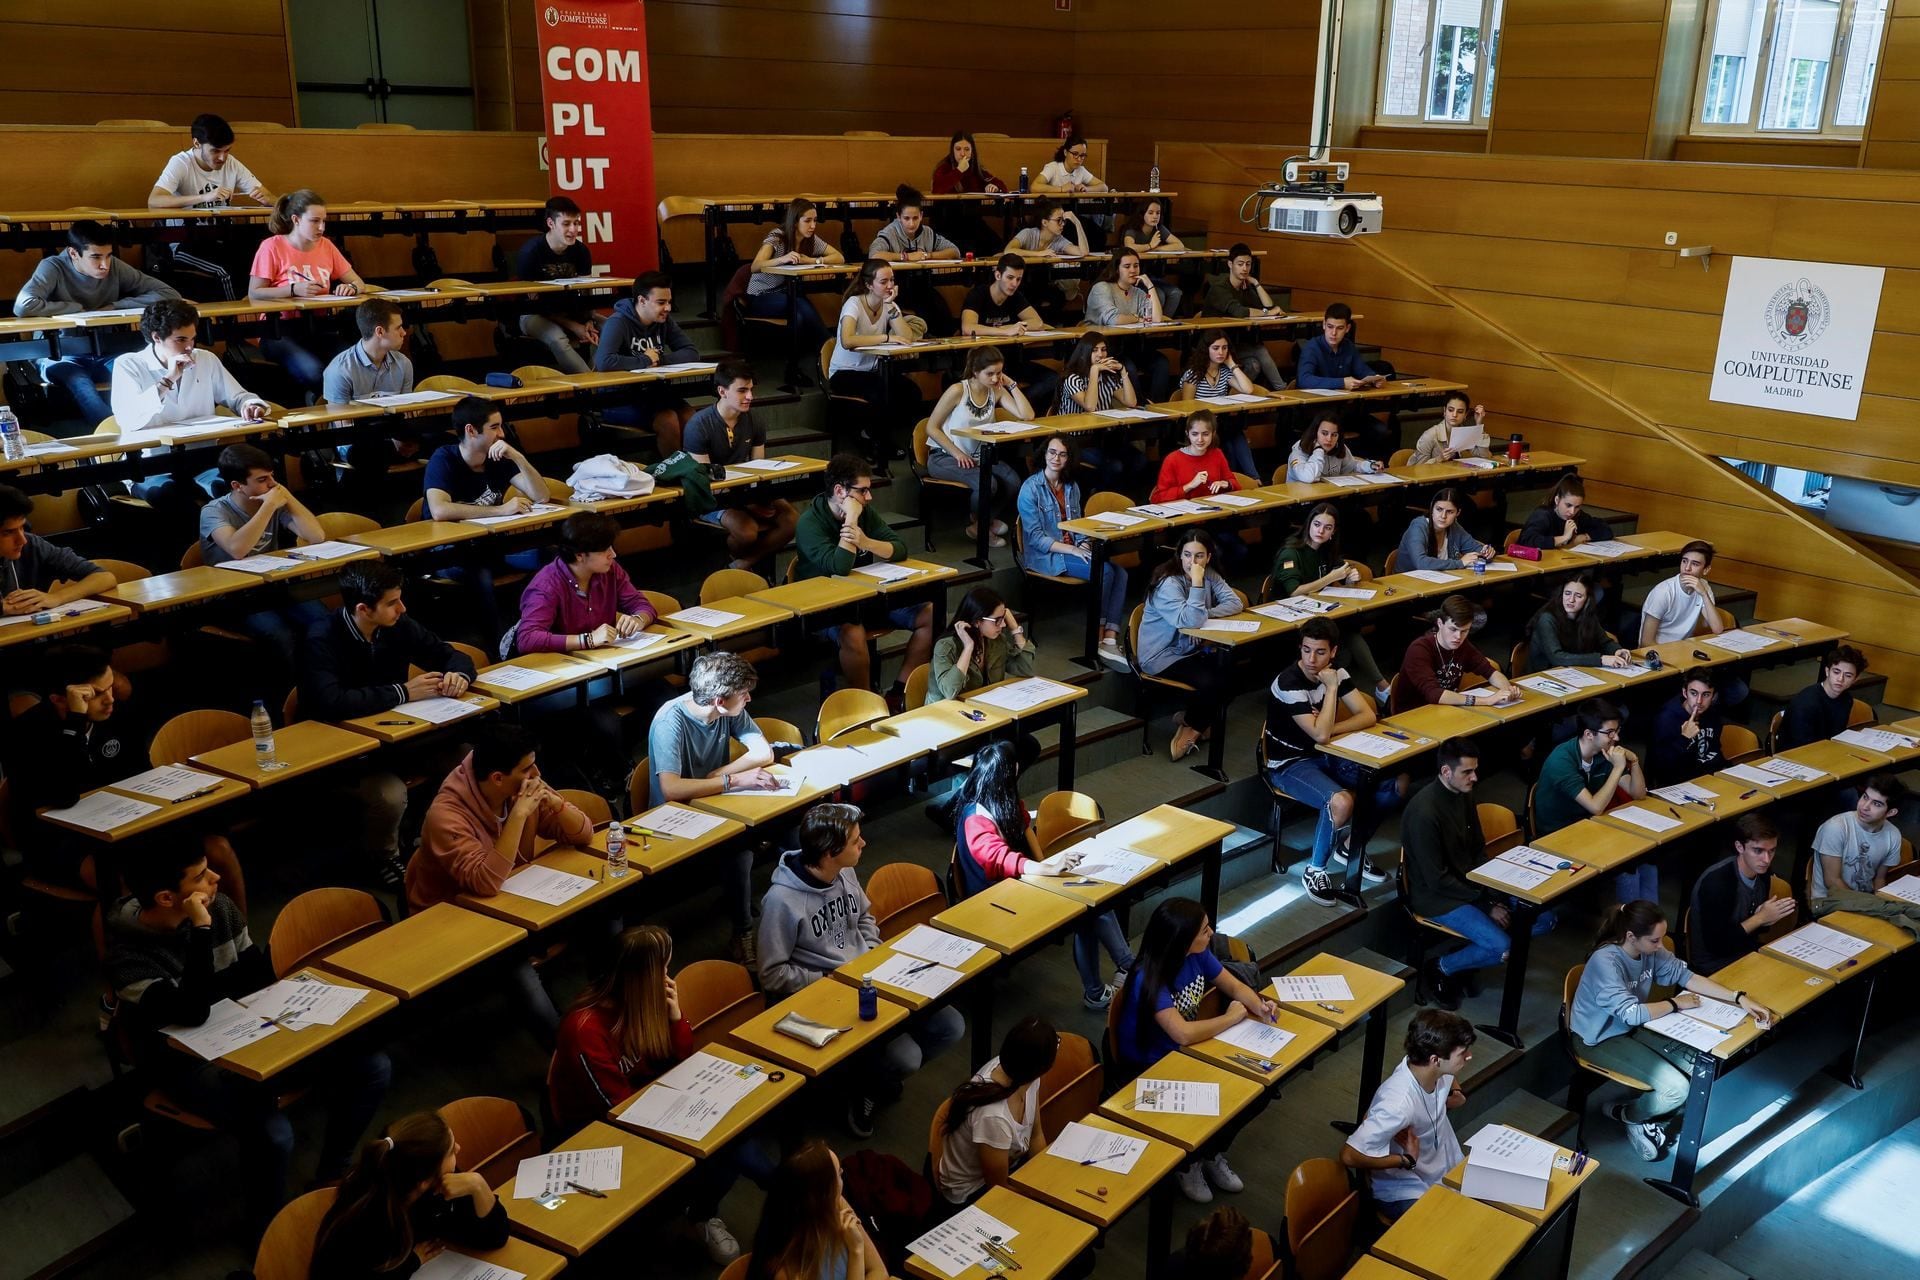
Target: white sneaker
column 1221, row 1176
column 1111, row 654
column 1645, row 1138
column 722, row 1248
column 1193, row 1184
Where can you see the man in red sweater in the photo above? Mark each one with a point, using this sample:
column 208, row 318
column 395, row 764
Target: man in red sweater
column 1436, row 663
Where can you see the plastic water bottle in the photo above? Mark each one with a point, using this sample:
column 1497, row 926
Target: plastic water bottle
column 616, row 851
column 1025, row 184
column 263, row 753
column 1480, row 568
column 869, row 1000
column 10, row 442
column 1153, row 178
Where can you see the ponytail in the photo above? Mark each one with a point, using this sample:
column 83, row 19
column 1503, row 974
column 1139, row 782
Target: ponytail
column 288, row 209
column 375, row 1198
column 1636, row 918
column 1027, row 1053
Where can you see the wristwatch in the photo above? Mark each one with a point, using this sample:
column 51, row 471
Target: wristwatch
column 1407, row 1161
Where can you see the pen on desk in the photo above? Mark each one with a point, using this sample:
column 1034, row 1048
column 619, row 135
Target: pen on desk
column 998, row 907
column 195, row 795
column 1330, row 1008
column 1850, row 963
column 587, row 1191
column 1394, row 733
column 922, row 968
column 394, row 722
column 1675, row 812
column 1748, row 795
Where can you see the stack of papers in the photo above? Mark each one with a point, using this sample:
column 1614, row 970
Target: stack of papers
column 255, row 564
column 1461, row 439
column 169, row 782
column 686, row 366
column 927, row 978
column 103, row 811
column 1520, row 875
column 1368, row 744
column 329, row 550
column 615, row 654
column 1905, row 888
column 1687, row 793
column 1885, row 740
column 1181, row 507
column 300, row 1001
column 537, row 509
column 1233, row 500
column 1084, row 1145
column 1819, row 947
column 546, row 884
column 1126, row 415
column 229, row 1026
column 959, row 1244
column 1606, row 550
column 1575, row 678
column 887, row 572
column 1545, row 684
column 449, row 1265
column 675, row 822
column 1349, row 593
column 930, row 943
column 694, row 1097
column 1256, row 1038
column 1110, row 864
column 1382, row 477
column 1738, row 641
column 701, row 616
column 767, row 464
column 1176, row 1097
column 396, row 399
column 1793, row 769
column 1309, row 988
column 1760, row 774
column 1506, row 1165
column 1347, row 482
column 1229, row 625
column 1688, row 1031
column 1240, row 397
column 556, row 1174
column 508, row 676
column 437, row 710
column 1022, row 694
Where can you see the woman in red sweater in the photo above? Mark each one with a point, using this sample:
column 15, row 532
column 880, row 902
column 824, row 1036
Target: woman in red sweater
column 622, row 1032
column 1198, row 468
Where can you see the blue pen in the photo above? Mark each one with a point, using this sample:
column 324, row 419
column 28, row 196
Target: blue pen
column 1395, row 734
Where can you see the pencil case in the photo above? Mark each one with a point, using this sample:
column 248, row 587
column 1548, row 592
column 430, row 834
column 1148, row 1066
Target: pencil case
column 807, row 1031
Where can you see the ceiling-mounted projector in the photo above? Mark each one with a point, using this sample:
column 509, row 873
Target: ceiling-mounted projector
column 1337, row 215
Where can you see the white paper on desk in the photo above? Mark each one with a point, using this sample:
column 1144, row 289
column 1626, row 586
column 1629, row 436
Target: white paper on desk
column 1794, row 769
column 1754, row 773
column 168, row 782
column 103, row 811
column 1513, row 874
column 1545, row 684
column 930, row 943
column 766, row 464
column 1110, row 864
column 957, row 1244
column 1308, row 988
column 108, row 313
column 1433, row 575
column 701, row 616
column 1472, row 436
column 1288, row 610
column 537, row 509
column 1738, row 641
column 1179, row 507
column 328, row 550
column 540, row 1177
column 566, row 282
column 1022, row 694
column 256, row 564
column 1633, row 671
column 1876, row 739
column 690, row 366
column 1478, row 464
column 1508, row 1166
column 1126, row 415
column 449, row 1265
column 398, row 399
column 1230, row 625
column 404, row 294
column 614, row 654
column 887, row 572
column 1256, row 1037
column 1118, row 519
column 300, row 1002
column 1688, row 1031
column 788, row 779
column 1368, row 744
column 1686, row 793
column 1002, row 428
column 1606, row 549
column 674, row 820
column 1092, row 1148
column 1347, row 482
column 1646, row 819
column 1240, row 397
column 1502, row 566
column 437, row 710
column 1176, row 1097
column 1382, row 477
column 828, row 766
column 46, row 448
column 508, row 676
column 546, row 884
column 686, row 1115
column 1717, row 1013
column 1233, row 500
column 229, row 1026
column 150, row 436
column 1905, row 888
column 926, row 978
column 1819, row 945
column 1350, row 593
column 1574, row 677
column 1320, row 391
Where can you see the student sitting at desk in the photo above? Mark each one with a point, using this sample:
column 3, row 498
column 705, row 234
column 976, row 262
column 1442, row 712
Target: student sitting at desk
column 1197, row 468
column 207, row 176
column 839, row 531
column 792, row 244
column 1566, row 632
column 1309, row 562
column 1685, row 739
column 86, row 276
column 258, row 514
column 1436, row 442
column 1437, row 662
column 175, row 947
column 871, row 316
column 1442, row 841
column 911, row 238
column 298, row 261
column 993, row 1123
column 1587, row 775
column 1152, row 235
column 641, row 335
column 1159, row 1013
column 623, row 1031
column 1559, row 521
column 1047, row 236
column 1236, row 292
column 1067, row 174
column 39, row 575
column 1824, row 707
column 1406, row 1144
column 1211, row 374
column 406, row 1192
column 559, row 254
column 1184, row 592
column 1438, row 540
column 373, row 366
column 1126, row 298
column 1330, row 361
column 1309, row 704
column 1320, row 454
column 172, row 380
column 807, row 1230
column 1219, row 1247
column 1683, row 606
column 1049, row 498
column 996, row 307
column 959, row 172
column 1092, row 382
column 689, row 749
column 814, row 919
column 987, row 646
column 480, row 475
column 1610, row 1008
column 1732, row 906
column 725, row 432
column 984, row 394
column 1853, row 854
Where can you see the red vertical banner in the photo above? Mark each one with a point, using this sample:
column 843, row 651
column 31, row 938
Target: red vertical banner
column 599, row 125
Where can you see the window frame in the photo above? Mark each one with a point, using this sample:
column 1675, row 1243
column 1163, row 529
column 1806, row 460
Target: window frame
column 1841, row 53
column 1480, row 116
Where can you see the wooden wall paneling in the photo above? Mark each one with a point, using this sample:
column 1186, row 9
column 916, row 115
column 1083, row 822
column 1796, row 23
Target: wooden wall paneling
column 1892, row 138
column 1397, row 138
column 1676, row 75
column 1830, row 153
column 55, row 68
column 1577, row 79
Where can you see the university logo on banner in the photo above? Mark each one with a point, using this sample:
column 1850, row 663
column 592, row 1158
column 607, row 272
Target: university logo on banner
column 599, row 125
column 1795, row 336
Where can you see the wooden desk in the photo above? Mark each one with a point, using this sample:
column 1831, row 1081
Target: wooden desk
column 1726, row 800
column 577, row 1223
column 1802, row 632
column 530, row 1260
column 1561, row 881
column 1600, row 845
column 739, row 477
column 1841, row 759
column 1047, row 1240
column 834, row 1003
column 817, row 595
column 1782, row 987
column 854, row 970
column 219, row 793
column 1446, row 1236
column 302, row 748
column 301, row 567
column 26, row 632
column 566, row 670
column 394, row 725
column 1691, row 818
column 534, row 916
column 1531, row 703
column 1884, row 933
column 1061, row 706
column 929, row 572
column 941, row 725
column 1845, row 972
column 1778, row 790
column 424, row 950
column 1094, row 894
column 1309, row 1037
column 1099, row 1196
column 1562, row 1186
column 1371, row 992
column 746, row 1113
column 873, row 753
column 653, row 854
column 1405, row 585
column 419, row 536
column 756, row 809
column 619, row 657
column 264, row 1059
column 1175, row 835
column 181, row 587
column 1372, row 1268
column 751, row 615
column 1187, row 1132
column 1010, row 916
column 1439, row 722
column 1071, row 693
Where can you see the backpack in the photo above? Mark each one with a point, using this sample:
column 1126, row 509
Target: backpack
column 895, row 1204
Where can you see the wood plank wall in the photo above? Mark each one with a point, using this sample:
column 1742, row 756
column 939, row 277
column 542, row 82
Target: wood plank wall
column 1893, row 126
column 145, row 62
column 1540, row 282
column 1577, row 79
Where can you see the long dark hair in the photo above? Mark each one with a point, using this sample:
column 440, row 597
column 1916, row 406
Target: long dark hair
column 1581, row 633
column 1308, row 442
column 1305, row 543
column 798, row 209
column 1080, row 359
column 994, row 784
column 961, row 135
column 1112, row 274
column 1198, row 361
column 374, row 1199
column 1450, row 496
column 1171, row 929
column 1171, row 565
column 864, row 280
column 634, row 991
column 799, row 1231
column 1026, row 1054
column 1636, row 918
column 981, row 602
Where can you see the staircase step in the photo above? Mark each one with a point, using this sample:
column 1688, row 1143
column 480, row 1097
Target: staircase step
column 1528, row 1113
column 1704, row 1266
column 59, row 1218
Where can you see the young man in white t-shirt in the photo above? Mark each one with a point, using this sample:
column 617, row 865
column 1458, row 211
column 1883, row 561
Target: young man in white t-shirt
column 1684, row 603
column 1406, row 1144
column 206, row 176
column 1855, row 852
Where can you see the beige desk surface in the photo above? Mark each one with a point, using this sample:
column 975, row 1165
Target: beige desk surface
column 579, row 1222
column 1678, row 655
column 1691, row 818
column 1048, row 1240
column 559, row 511
column 834, row 1003
column 659, row 495
column 1898, row 754
column 854, row 970
column 1168, row 832
column 1309, row 1037
column 418, row 536
column 570, row 670
column 1727, row 792
column 739, row 477
column 816, row 595
column 1439, row 722
column 424, row 950
column 615, row 658
column 1844, row 972
column 1873, row 929
column 877, row 753
column 1084, row 889
column 1372, row 1268
column 1778, row 790
column 1798, row 631
column 1403, row 585
column 302, row 747
column 397, row 726
column 1841, row 759
column 1371, row 989
column 21, row 632
column 745, row 1114
column 226, row 789
column 930, row 572
column 1010, row 915
column 264, row 1059
column 1563, row 881
column 1188, row 1132
column 754, row 615
column 1099, row 1196
column 1531, row 703
column 529, row 1259
column 1783, row 988
column 1409, row 746
column 534, row 916
column 298, row 568
column 755, row 809
column 1070, row 693
column 1446, row 1236
column 181, row 587
column 1093, row 528
column 1602, row 846
column 940, row 725
column 653, row 853
column 1266, row 629
column 1562, row 1186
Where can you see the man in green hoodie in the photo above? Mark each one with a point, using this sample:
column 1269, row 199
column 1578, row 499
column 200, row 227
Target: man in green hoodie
column 840, row 531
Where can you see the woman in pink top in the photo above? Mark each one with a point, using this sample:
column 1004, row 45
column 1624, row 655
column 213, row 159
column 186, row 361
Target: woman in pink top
column 298, row 261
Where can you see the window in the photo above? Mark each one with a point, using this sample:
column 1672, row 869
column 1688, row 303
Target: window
column 1436, row 62
column 1769, row 66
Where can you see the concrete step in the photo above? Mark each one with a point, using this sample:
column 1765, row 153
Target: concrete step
column 59, row 1219
column 1528, row 1113
column 1703, row 1266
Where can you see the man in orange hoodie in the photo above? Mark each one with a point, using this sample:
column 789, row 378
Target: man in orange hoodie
column 481, row 826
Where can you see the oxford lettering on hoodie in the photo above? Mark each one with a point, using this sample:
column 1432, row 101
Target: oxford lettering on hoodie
column 809, row 928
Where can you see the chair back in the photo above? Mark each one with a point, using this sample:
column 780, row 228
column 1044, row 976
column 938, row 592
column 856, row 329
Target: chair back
column 724, row 584
column 1520, row 660
column 1104, row 501
column 1391, row 564
column 591, row 803
column 1322, row 1208
column 537, row 373
column 640, row 787
column 123, row 571
column 1773, row 730
column 1739, row 743
column 901, row 895
column 192, row 732
column 1860, row 713
column 319, row 922
column 1063, row 816
column 1072, row 1088
column 937, row 1138
column 494, row 1135
column 1265, row 1266
column 1498, row 827
column 716, row 996
column 193, row 557
column 663, row 604
column 848, row 709
column 1399, row 458
column 290, row 706
column 738, row 1268
column 286, row 1250
column 344, row 524
column 919, row 680
column 777, row 730
column 1778, row 888
column 920, row 447
column 416, row 509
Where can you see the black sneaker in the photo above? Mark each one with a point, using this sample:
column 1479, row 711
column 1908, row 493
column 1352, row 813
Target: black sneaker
column 1438, row 987
column 860, row 1116
column 1469, row 982
column 1319, row 885
column 1371, row 874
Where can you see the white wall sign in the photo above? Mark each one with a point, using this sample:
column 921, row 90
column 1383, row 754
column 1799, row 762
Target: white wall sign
column 1794, row 336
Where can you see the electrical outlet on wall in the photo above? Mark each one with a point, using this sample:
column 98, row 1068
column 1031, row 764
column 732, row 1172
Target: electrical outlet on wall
column 1673, row 238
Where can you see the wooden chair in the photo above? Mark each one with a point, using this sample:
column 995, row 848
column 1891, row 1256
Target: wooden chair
column 1499, row 828
column 1071, row 1089
column 494, row 1136
column 286, row 1250
column 192, row 732
column 1860, row 713
column 840, row 406
column 1739, row 743
column 1520, row 660
column 929, row 483
column 1507, row 543
column 319, row 922
column 716, row 996
column 918, row 682
column 1399, row 458
column 1391, row 565
column 901, row 895
column 1266, row 1265
column 1587, row 1074
column 1322, row 1209
column 663, row 604
column 640, row 788
column 1104, row 501
column 1063, row 817
column 848, row 709
column 1422, row 926
column 1145, row 682
column 723, row 584
column 141, row 655
column 591, row 803
column 1773, row 731
column 777, row 730
column 738, row 1268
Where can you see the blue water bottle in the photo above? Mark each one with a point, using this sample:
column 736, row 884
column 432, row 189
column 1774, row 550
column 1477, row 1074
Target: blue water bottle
column 869, row 1000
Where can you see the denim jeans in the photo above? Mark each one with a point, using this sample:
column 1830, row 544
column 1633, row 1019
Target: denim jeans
column 1113, row 590
column 1103, row 931
column 1314, row 780
column 1642, row 884
column 1239, row 454
column 283, row 630
column 76, row 374
column 1486, row 941
column 1003, row 486
column 927, row 1038
column 800, row 313
column 558, row 342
